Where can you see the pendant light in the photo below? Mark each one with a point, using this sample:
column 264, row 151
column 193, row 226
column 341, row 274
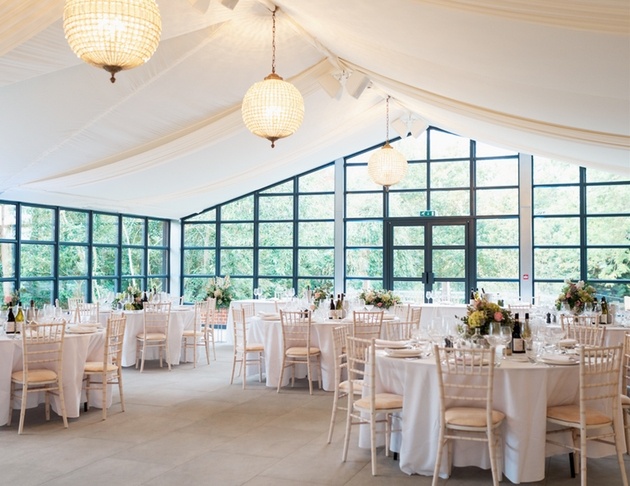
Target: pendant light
column 112, row 34
column 273, row 108
column 387, row 166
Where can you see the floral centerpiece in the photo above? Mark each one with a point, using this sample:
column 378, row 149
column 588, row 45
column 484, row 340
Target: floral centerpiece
column 481, row 313
column 382, row 299
column 221, row 290
column 11, row 300
column 132, row 299
column 575, row 296
column 320, row 294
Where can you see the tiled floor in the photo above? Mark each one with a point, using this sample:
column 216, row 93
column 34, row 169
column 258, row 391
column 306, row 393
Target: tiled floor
column 189, row 426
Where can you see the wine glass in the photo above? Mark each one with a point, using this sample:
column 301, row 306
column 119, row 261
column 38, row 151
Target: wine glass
column 505, row 336
column 257, row 292
column 429, row 296
column 369, row 307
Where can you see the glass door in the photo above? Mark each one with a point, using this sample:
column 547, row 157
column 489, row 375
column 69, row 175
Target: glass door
column 427, row 261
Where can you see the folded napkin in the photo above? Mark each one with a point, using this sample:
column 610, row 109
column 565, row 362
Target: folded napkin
column 403, row 353
column 384, row 343
column 82, row 329
column 269, row 316
column 559, row 359
column 567, row 343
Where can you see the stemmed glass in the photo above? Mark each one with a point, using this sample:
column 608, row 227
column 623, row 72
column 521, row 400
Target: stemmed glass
column 257, row 293
column 369, row 307
column 505, row 336
column 429, row 296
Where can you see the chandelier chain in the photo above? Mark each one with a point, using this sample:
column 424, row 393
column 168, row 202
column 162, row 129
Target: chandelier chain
column 273, row 41
column 387, row 120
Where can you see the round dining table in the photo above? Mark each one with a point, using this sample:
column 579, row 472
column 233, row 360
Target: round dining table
column 77, row 349
column 522, row 391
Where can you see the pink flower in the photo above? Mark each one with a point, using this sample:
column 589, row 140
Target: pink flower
column 8, row 299
column 498, row 316
column 380, row 304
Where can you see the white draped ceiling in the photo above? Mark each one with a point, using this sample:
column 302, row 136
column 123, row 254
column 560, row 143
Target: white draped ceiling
column 167, row 139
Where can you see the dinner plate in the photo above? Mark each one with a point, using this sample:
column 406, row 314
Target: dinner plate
column 403, row 353
column 82, row 329
column 384, row 343
column 559, row 359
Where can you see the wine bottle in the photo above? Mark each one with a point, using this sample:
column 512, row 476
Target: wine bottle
column 526, row 332
column 472, row 295
column 603, row 318
column 19, row 318
column 145, row 298
column 332, row 308
column 518, row 345
column 10, row 327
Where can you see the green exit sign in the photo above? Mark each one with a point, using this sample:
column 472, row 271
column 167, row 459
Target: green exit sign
column 430, row 212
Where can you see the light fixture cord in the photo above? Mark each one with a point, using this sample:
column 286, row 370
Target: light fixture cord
column 273, row 42
column 387, row 120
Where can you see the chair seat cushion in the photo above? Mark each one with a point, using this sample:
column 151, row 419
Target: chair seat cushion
column 152, row 336
column 383, row 401
column 344, row 387
column 571, row 413
column 191, row 333
column 302, row 351
column 97, row 366
column 625, row 401
column 35, row 376
column 471, row 417
column 253, row 347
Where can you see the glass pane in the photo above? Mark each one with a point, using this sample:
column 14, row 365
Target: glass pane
column 547, row 171
column 556, row 200
column 557, row 263
column 497, row 201
column 239, row 210
column 269, row 286
column 132, row 261
column 408, row 235
column 497, row 232
column 237, row 234
column 237, row 262
column 447, row 146
column 7, row 221
column 608, row 231
column 407, row 203
column 210, row 215
column 284, row 187
column 137, row 282
column 275, row 234
column 36, row 260
column 72, row 260
column 364, row 233
column 200, row 234
column 37, row 224
column 41, row 291
column 451, row 203
column 243, row 288
column 132, row 231
column 413, row 148
column 607, row 199
column 277, row 207
column 450, row 174
column 199, row 262
column 158, row 262
column 497, row 263
column 484, row 150
column 594, row 175
column 497, row 172
column 275, row 262
column 364, row 205
column 608, row 263
column 7, row 260
column 105, row 228
column 364, row 263
column 316, row 234
column 449, row 235
column 317, row 207
column 158, row 233
column 556, row 231
column 508, row 291
column 409, row 290
column 71, row 288
column 322, row 180
column 73, row 226
column 408, row 263
column 103, row 288
column 195, row 289
column 357, row 179
column 449, row 263
column 104, row 261
column 160, row 284
column 317, row 263
column 416, row 177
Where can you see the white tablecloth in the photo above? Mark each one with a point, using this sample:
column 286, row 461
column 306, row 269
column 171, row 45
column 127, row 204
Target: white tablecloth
column 522, row 391
column 182, row 317
column 77, row 349
column 260, row 305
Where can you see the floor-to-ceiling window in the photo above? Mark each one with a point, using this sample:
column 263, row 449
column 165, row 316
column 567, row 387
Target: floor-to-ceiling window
column 452, row 223
column 50, row 252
